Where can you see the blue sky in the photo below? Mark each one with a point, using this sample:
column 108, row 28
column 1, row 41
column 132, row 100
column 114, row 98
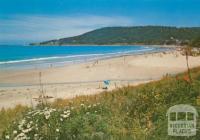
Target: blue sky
column 24, row 21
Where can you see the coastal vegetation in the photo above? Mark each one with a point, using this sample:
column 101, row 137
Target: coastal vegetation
column 146, row 35
column 195, row 42
column 133, row 112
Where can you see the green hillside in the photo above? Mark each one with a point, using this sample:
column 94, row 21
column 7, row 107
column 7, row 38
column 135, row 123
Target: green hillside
column 156, row 35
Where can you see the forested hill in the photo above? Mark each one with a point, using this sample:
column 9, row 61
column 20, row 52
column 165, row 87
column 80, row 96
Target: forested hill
column 156, row 35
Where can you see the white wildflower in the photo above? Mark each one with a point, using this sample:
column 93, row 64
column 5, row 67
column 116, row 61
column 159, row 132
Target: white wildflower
column 35, row 135
column 28, row 126
column 20, row 127
column 53, row 109
column 40, row 113
column 65, row 116
column 21, row 134
column 27, row 130
column 7, row 137
column 66, row 112
column 47, row 117
column 57, row 130
column 14, row 132
column 23, row 121
column 29, row 113
column 87, row 113
column 47, row 114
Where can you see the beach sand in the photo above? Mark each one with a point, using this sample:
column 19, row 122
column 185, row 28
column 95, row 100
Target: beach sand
column 87, row 78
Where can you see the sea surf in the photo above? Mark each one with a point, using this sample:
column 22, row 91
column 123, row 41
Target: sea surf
column 29, row 57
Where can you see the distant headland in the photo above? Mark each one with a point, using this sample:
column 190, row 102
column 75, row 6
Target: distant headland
column 142, row 35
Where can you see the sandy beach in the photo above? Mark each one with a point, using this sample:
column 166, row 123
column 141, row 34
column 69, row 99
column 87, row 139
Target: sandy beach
column 87, row 78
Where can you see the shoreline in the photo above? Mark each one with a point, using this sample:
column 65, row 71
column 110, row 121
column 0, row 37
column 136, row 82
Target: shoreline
column 108, row 45
column 87, row 78
column 45, row 65
column 115, row 45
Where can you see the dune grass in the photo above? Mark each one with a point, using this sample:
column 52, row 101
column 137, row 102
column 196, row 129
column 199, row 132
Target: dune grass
column 7, row 116
column 134, row 112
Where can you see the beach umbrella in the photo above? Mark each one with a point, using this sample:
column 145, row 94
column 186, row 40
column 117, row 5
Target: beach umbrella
column 106, row 82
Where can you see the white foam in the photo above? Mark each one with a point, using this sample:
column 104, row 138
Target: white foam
column 105, row 55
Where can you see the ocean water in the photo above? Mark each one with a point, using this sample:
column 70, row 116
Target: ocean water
column 28, row 57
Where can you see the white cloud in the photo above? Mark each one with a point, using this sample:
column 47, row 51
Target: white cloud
column 40, row 28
